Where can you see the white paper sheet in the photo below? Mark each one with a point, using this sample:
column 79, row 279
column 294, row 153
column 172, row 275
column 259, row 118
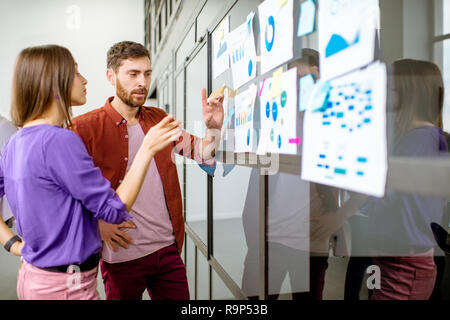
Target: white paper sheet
column 279, row 116
column 344, row 144
column 306, row 87
column 242, row 53
column 243, row 123
column 346, row 35
column 220, row 53
column 277, row 31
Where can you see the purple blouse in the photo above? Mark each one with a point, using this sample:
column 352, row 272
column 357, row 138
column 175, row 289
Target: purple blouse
column 56, row 195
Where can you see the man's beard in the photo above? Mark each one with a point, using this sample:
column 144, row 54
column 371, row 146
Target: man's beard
column 128, row 98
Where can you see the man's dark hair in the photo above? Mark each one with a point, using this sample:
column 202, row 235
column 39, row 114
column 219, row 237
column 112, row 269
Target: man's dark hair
column 125, row 50
column 310, row 57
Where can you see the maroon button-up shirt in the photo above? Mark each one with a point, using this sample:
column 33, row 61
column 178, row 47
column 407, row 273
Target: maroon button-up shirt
column 104, row 132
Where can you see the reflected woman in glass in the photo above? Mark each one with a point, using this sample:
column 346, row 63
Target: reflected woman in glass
column 399, row 228
column 399, row 224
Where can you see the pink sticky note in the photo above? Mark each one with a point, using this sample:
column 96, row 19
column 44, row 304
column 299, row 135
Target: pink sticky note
column 262, row 87
column 296, row 141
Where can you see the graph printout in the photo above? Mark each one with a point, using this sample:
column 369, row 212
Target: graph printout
column 346, row 35
column 276, row 21
column 279, row 114
column 220, row 54
column 243, row 117
column 242, row 53
column 344, row 142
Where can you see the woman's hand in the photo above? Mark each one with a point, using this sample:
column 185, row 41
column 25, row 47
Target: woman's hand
column 161, row 135
column 16, row 248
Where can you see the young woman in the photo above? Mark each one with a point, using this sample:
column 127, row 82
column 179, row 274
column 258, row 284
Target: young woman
column 400, row 223
column 399, row 231
column 55, row 191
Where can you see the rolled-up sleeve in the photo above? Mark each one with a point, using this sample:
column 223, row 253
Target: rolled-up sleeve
column 73, row 169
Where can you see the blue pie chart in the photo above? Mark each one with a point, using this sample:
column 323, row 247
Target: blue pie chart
column 270, row 26
column 248, row 137
column 275, row 111
column 279, row 142
column 250, row 68
column 268, row 109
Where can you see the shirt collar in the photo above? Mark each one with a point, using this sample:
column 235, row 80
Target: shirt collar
column 116, row 116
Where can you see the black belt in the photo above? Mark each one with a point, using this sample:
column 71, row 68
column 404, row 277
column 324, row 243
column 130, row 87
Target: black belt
column 90, row 263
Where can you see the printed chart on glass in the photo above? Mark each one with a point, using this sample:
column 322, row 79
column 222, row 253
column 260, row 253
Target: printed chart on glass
column 220, row 53
column 243, row 120
column 242, row 53
column 346, row 35
column 276, row 23
column 227, row 132
column 344, row 140
column 278, row 100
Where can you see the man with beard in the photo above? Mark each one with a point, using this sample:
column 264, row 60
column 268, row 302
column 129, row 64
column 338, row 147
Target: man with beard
column 144, row 254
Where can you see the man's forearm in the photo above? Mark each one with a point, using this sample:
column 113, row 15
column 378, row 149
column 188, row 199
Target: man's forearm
column 210, row 143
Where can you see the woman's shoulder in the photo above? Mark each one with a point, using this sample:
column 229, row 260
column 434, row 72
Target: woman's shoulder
column 60, row 137
column 421, row 141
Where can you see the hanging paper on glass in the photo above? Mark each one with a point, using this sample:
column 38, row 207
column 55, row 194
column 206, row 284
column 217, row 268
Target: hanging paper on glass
column 221, row 61
column 307, row 20
column 346, row 35
column 242, row 53
column 344, row 141
column 276, row 23
column 243, row 120
column 278, row 102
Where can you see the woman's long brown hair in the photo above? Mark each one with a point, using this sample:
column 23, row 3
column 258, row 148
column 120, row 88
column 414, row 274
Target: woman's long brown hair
column 420, row 91
column 42, row 74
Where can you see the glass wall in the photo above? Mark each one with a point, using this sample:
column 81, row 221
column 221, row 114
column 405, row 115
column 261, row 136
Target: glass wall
column 322, row 242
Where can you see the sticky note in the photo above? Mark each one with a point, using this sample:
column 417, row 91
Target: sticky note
column 275, row 89
column 306, row 22
column 319, row 96
column 306, row 87
column 222, row 30
column 281, row 2
column 296, row 141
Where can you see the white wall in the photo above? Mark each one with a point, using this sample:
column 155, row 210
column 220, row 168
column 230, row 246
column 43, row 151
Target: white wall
column 25, row 23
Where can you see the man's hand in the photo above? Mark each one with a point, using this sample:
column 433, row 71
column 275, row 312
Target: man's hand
column 113, row 236
column 323, row 227
column 212, row 111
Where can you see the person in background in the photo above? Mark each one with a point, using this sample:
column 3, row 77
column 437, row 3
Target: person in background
column 147, row 256
column 7, row 129
column 400, row 238
column 290, row 250
column 55, row 191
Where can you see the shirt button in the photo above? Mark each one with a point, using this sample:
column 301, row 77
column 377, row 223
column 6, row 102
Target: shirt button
column 117, row 123
column 126, row 136
column 126, row 159
column 123, row 121
column 120, row 181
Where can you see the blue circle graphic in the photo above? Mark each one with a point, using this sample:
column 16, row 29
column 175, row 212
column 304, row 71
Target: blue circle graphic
column 250, row 68
column 268, row 109
column 279, row 142
column 275, row 111
column 248, row 137
column 271, row 24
